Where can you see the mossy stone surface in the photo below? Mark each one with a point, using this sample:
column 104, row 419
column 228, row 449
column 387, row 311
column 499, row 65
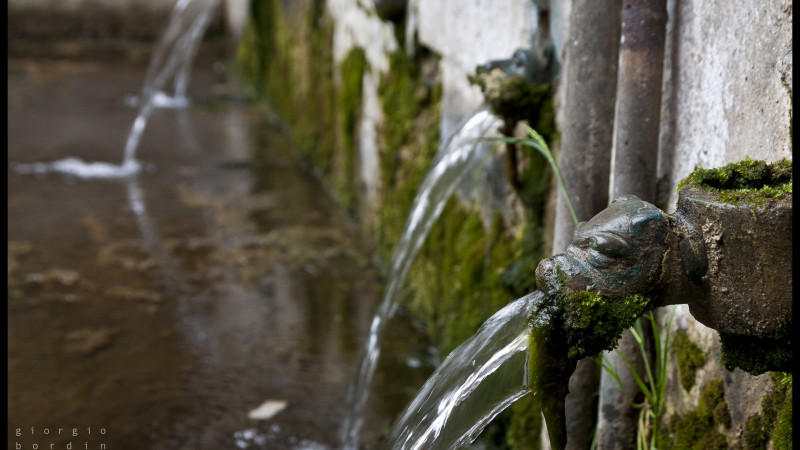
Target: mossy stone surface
column 756, row 355
column 464, row 273
column 700, row 429
column 747, row 181
column 688, row 357
column 774, row 422
column 349, row 100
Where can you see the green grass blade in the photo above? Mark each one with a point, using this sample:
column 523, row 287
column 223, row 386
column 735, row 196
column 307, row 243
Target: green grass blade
column 605, row 364
column 647, row 392
column 537, row 142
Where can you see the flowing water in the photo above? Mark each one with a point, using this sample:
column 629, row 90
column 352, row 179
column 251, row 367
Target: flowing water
column 477, row 381
column 216, row 300
column 172, row 59
column 177, row 46
column 458, row 156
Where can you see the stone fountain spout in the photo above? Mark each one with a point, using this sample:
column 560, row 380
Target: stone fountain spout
column 727, row 258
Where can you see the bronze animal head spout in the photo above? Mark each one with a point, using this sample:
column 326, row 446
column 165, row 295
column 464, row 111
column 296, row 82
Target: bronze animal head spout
column 725, row 252
column 617, row 253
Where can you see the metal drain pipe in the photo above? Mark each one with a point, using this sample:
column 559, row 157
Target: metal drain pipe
column 590, row 74
column 634, row 171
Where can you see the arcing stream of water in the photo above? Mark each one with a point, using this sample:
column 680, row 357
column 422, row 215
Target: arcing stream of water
column 458, row 156
column 173, row 57
column 478, row 380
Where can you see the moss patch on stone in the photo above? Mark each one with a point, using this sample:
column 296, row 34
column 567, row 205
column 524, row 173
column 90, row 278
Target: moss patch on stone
column 688, row 357
column 756, row 355
column 455, row 283
column 747, row 181
column 700, row 429
column 408, row 139
column 782, row 433
column 286, row 57
column 564, row 329
column 593, row 324
column 349, row 101
column 774, row 422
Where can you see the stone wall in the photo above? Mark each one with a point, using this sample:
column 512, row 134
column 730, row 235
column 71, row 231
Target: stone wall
column 726, row 95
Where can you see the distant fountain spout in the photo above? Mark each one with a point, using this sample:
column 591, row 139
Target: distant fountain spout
column 516, row 88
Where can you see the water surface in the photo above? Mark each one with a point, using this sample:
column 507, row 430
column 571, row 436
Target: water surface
column 164, row 308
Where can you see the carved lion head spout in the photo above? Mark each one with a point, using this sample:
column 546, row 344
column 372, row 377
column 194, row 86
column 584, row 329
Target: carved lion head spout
column 617, row 253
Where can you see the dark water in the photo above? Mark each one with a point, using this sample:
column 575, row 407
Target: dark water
column 161, row 310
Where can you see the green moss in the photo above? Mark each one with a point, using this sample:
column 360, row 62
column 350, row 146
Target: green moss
column 755, row 433
column 747, row 181
column 777, row 410
column 593, row 324
column 782, row 433
column 565, row 329
column 349, row 100
column 700, row 429
column 286, row 58
column 756, row 355
column 524, row 428
column 689, row 358
column 774, row 422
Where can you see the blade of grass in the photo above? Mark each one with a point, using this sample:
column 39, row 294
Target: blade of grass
column 647, row 392
column 537, row 142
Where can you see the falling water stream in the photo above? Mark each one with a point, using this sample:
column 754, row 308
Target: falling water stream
column 172, row 58
column 216, row 301
column 477, row 381
column 458, row 156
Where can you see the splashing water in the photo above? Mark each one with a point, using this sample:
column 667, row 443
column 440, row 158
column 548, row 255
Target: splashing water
column 459, row 155
column 173, row 56
column 477, row 381
column 182, row 44
column 178, row 46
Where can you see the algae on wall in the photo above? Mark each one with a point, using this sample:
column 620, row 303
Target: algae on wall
column 464, row 273
column 286, row 58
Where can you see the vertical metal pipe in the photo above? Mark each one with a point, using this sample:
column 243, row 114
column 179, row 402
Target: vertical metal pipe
column 638, row 111
column 635, row 159
column 590, row 70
